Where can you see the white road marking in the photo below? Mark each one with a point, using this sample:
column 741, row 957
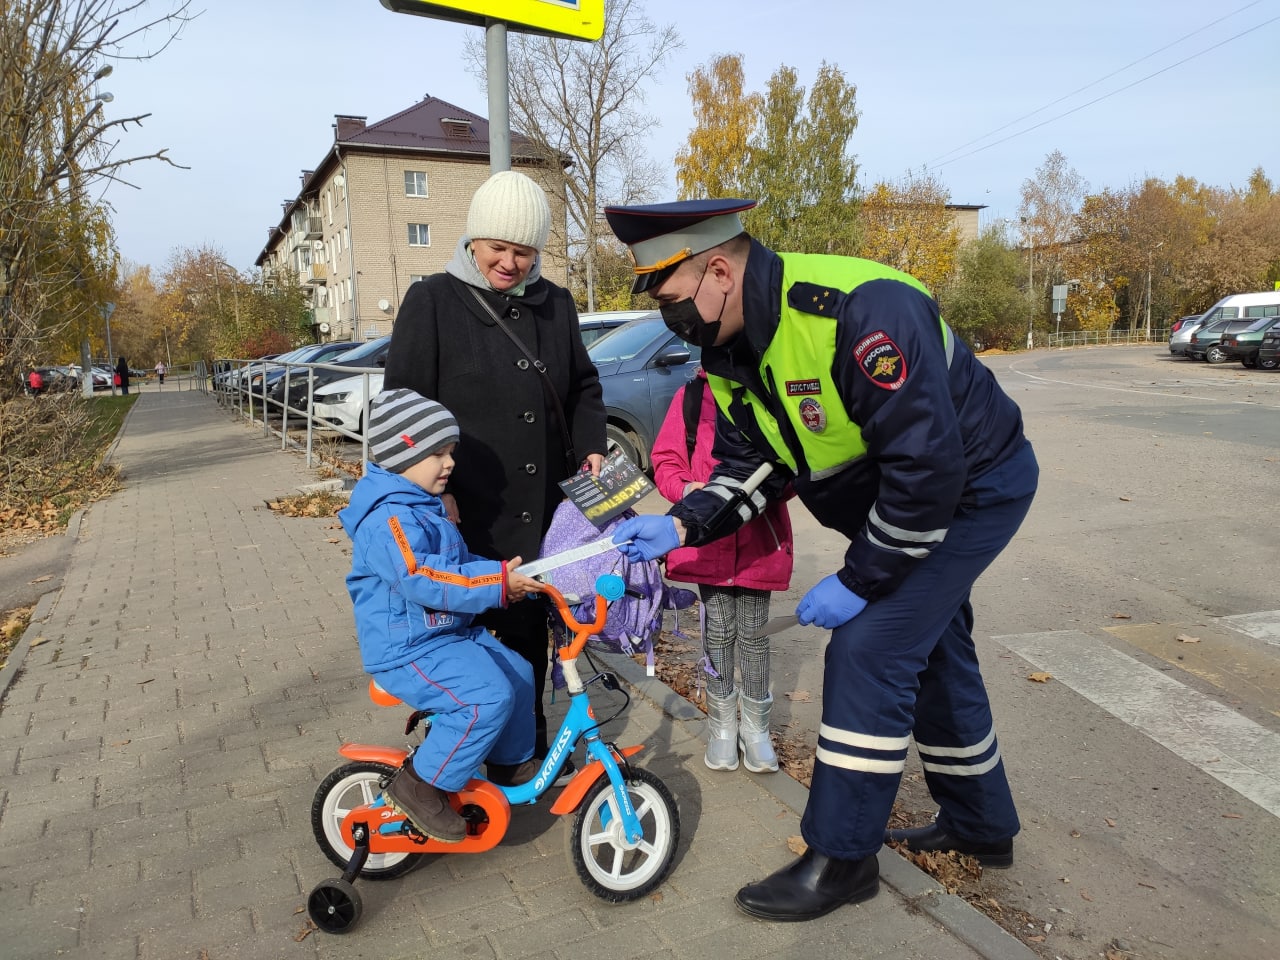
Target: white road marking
column 1260, row 626
column 1087, row 385
column 1228, row 747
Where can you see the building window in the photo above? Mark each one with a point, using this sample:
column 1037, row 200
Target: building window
column 415, row 183
column 419, row 235
column 415, row 277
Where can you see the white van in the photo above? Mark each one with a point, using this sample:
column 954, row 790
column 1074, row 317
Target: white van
column 1244, row 306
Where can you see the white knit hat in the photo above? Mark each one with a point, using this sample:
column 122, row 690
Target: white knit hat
column 405, row 427
column 511, row 207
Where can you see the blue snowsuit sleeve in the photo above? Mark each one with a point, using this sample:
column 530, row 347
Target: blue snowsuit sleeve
column 437, row 576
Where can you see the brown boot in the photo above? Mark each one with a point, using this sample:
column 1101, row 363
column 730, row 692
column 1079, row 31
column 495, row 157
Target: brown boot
column 512, row 774
column 426, row 806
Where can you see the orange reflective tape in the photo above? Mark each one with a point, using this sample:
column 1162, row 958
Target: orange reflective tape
column 402, row 542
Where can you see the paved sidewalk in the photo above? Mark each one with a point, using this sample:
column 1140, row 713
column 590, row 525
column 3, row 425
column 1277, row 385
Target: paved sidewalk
column 172, row 708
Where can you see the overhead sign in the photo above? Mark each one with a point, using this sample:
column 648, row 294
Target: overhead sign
column 572, row 19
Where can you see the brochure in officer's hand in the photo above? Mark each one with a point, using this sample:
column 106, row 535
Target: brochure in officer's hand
column 619, row 486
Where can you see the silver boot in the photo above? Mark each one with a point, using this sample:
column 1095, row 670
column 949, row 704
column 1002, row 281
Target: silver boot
column 722, row 746
column 757, row 750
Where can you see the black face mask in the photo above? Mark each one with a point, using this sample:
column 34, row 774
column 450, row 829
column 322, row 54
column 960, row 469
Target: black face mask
column 683, row 319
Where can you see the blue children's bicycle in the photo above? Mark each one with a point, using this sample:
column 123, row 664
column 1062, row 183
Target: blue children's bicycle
column 624, row 833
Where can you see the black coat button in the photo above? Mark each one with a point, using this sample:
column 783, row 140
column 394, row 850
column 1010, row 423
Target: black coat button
column 522, row 363
column 526, row 517
column 514, row 313
column 530, row 468
column 529, row 417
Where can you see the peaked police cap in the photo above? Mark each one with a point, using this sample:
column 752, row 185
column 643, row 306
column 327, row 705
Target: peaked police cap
column 663, row 235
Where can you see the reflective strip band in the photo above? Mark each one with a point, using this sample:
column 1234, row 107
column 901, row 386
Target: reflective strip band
column 949, row 339
column 902, row 533
column 859, row 764
column 964, row 770
column 918, row 552
column 974, row 751
column 862, row 741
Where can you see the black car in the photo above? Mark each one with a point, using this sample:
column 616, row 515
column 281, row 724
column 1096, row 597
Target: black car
column 1244, row 345
column 1206, row 343
column 1269, row 349
column 293, row 387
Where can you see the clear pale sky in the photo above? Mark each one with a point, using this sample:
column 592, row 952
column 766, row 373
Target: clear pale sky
column 247, row 94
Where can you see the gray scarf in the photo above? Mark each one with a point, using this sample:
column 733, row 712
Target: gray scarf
column 463, row 266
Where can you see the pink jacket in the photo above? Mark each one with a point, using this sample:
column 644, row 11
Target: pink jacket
column 759, row 554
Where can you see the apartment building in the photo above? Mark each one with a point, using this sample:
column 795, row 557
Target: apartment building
column 386, row 206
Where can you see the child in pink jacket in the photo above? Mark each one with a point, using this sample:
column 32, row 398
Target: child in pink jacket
column 735, row 576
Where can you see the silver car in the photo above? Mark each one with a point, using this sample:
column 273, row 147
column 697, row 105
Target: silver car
column 1180, row 333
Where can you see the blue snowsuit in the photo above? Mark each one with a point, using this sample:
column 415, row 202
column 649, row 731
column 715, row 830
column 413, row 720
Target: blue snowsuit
column 416, row 590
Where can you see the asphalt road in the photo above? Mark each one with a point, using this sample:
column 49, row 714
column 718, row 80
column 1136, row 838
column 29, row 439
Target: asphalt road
column 1147, row 771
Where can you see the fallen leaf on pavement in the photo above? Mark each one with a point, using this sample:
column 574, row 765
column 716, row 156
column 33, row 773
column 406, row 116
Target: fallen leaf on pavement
column 800, row 696
column 1121, row 616
column 797, row 845
column 1109, row 821
column 1147, row 885
column 47, row 576
column 1125, row 499
column 1233, row 816
column 1040, row 677
column 1084, row 895
column 1184, row 638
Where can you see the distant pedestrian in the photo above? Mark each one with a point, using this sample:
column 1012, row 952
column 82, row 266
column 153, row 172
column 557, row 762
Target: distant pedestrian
column 122, row 376
column 35, row 382
column 160, row 369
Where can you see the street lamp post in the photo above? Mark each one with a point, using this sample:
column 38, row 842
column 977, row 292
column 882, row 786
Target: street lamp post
column 1031, row 291
column 1149, row 253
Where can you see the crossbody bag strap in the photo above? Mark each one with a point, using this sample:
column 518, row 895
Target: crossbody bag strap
column 571, row 459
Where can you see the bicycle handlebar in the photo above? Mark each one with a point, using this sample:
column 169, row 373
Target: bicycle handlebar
column 582, row 632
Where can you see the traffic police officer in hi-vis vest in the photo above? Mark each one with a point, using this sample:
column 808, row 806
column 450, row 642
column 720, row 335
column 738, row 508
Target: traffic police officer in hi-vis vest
column 839, row 376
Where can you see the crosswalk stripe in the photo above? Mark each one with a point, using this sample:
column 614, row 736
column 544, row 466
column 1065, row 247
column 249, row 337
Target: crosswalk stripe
column 1228, row 747
column 1260, row 626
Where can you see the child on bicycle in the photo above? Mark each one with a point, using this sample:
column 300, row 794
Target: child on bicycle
column 735, row 576
column 416, row 589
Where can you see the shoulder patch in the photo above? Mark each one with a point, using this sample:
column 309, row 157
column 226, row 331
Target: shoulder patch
column 881, row 360
column 815, row 298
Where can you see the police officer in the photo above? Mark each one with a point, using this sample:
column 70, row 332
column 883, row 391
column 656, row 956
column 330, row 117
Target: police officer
column 841, row 376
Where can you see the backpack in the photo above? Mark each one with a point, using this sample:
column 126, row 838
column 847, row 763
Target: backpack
column 636, row 619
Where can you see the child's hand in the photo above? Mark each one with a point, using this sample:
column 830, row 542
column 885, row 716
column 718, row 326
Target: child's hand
column 518, row 585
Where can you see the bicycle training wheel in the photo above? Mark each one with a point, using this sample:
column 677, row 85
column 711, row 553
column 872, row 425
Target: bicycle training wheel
column 350, row 786
column 608, row 865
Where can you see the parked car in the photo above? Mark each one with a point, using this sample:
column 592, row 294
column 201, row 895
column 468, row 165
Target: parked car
column 311, row 353
column 1269, row 349
column 370, row 354
column 1243, row 345
column 1205, row 343
column 642, row 364
column 1180, row 333
column 595, row 325
column 342, row 403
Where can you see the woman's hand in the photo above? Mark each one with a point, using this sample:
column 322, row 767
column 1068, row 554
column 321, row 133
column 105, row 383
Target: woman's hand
column 594, row 462
column 450, row 508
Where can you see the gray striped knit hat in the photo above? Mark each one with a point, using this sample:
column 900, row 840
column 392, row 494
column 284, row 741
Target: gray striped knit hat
column 405, row 427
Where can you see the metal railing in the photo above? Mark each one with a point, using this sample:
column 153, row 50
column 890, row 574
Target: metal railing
column 234, row 387
column 1082, row 338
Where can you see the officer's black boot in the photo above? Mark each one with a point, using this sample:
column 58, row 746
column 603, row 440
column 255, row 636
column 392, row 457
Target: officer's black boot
column 811, row 887
column 996, row 853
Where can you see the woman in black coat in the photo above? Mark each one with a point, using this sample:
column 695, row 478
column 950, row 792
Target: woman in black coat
column 513, row 451
column 122, row 374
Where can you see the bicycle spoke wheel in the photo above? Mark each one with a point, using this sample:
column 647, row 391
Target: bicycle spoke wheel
column 610, row 866
column 350, row 786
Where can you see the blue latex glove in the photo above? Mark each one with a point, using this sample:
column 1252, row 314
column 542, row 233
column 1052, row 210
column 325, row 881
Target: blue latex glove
column 651, row 537
column 829, row 604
